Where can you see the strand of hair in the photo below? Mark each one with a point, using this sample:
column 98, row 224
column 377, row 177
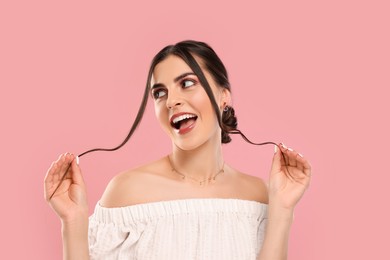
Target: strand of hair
column 236, row 131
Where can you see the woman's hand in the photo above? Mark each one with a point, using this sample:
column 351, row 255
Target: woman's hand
column 69, row 200
column 289, row 178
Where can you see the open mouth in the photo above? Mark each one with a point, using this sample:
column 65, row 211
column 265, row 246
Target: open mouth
column 183, row 121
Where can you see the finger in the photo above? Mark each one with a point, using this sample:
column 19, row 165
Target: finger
column 53, row 174
column 288, row 160
column 57, row 168
column 299, row 159
column 64, row 180
column 61, row 158
column 277, row 160
column 63, row 174
column 64, row 166
column 65, row 170
column 48, row 181
column 50, row 172
column 76, row 172
column 304, row 164
column 284, row 150
column 292, row 155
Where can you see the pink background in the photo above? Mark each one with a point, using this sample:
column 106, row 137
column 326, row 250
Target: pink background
column 313, row 75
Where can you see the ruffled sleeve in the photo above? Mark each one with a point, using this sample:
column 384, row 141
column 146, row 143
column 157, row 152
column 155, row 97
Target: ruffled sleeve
column 110, row 236
column 263, row 220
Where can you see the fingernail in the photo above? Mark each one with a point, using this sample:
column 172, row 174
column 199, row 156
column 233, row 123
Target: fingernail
column 290, row 149
column 300, row 154
column 275, row 148
column 285, row 147
column 77, row 160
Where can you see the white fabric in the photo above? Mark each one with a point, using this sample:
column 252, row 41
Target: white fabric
column 185, row 229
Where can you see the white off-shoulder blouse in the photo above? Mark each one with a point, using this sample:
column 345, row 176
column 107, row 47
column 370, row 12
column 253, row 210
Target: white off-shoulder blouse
column 185, row 229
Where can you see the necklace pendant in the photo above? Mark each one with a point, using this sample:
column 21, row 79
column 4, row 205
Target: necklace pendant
column 209, row 180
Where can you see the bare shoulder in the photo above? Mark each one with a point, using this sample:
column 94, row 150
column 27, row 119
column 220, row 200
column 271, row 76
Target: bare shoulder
column 152, row 182
column 132, row 186
column 253, row 187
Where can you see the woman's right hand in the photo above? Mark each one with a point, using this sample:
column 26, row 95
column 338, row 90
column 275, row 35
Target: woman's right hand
column 70, row 199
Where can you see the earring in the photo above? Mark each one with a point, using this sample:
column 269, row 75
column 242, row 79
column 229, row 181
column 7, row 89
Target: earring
column 225, row 109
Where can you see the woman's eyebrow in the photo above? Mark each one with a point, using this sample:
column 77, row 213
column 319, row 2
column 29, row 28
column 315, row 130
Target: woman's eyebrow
column 183, row 76
column 174, row 80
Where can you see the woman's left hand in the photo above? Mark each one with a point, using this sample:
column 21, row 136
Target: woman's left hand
column 289, row 178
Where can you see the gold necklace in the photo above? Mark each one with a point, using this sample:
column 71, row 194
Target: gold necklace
column 193, row 179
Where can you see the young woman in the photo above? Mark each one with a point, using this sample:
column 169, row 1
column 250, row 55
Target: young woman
column 189, row 204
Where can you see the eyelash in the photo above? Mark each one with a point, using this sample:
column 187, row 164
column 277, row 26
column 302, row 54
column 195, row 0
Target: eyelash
column 156, row 91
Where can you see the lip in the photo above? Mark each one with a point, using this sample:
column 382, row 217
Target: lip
column 179, row 114
column 184, row 130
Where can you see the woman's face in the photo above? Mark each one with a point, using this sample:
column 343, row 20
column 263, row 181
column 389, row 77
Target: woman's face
column 182, row 106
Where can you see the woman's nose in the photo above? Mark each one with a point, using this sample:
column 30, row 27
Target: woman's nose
column 173, row 100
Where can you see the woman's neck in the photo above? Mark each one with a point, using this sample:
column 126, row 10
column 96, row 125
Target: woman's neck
column 201, row 163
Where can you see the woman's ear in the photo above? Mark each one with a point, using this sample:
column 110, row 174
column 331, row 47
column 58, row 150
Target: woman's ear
column 225, row 98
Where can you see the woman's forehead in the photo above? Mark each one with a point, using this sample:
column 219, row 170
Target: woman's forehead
column 171, row 67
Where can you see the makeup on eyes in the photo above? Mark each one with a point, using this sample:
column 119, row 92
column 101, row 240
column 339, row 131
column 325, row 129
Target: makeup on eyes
column 188, row 80
column 158, row 88
column 155, row 93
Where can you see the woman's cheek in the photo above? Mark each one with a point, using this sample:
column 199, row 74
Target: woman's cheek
column 161, row 116
column 200, row 101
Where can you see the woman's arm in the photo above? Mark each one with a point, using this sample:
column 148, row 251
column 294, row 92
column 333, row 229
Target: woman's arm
column 289, row 178
column 275, row 245
column 75, row 239
column 70, row 203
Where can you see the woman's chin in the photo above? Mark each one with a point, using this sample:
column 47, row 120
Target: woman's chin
column 192, row 144
column 195, row 138
column 187, row 145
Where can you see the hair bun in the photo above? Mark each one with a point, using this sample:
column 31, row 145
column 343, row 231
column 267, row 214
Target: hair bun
column 229, row 122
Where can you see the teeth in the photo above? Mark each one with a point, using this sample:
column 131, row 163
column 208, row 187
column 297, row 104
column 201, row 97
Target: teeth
column 182, row 117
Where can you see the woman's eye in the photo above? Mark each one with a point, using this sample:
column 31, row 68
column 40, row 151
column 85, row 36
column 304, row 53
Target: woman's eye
column 158, row 93
column 187, row 83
